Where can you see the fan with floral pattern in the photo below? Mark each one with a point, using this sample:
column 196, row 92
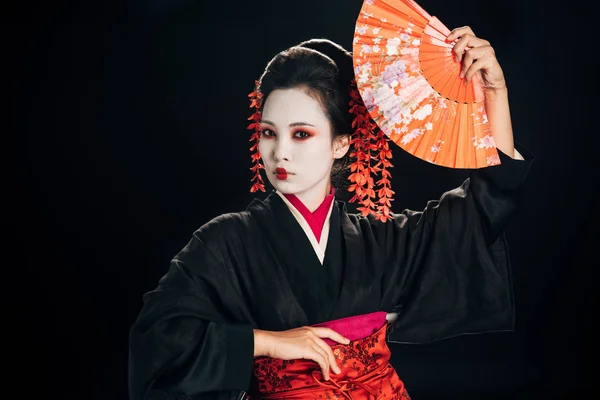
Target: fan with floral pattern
column 409, row 81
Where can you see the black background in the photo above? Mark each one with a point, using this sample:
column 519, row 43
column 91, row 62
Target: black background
column 135, row 120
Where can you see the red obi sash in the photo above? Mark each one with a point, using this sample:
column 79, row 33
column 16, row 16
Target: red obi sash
column 357, row 327
column 366, row 373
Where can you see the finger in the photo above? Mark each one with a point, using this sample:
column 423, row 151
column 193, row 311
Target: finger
column 332, row 361
column 330, row 334
column 458, row 32
column 320, row 356
column 476, row 66
column 473, row 55
column 329, row 353
column 465, row 43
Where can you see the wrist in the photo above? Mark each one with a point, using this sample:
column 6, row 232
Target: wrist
column 260, row 343
column 493, row 95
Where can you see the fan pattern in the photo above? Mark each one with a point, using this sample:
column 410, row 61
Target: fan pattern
column 409, row 81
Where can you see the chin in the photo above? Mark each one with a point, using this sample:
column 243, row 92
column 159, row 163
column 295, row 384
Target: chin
column 284, row 187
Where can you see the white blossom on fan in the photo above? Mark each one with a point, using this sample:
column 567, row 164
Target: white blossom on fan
column 436, row 147
column 363, row 67
column 367, row 15
column 485, row 142
column 390, row 105
column 482, row 114
column 377, row 40
column 416, row 42
column 408, row 30
column 406, row 116
column 429, row 126
column 411, row 135
column 492, row 160
column 376, row 30
column 405, row 37
column 376, row 49
column 369, row 2
column 392, row 46
column 361, row 29
column 365, row 49
column 394, row 116
column 364, row 77
column 422, row 112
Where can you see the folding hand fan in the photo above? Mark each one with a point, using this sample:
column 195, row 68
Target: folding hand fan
column 409, row 81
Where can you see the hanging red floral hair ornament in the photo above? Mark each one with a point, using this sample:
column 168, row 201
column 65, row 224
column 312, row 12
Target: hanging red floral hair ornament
column 369, row 144
column 255, row 104
column 369, row 148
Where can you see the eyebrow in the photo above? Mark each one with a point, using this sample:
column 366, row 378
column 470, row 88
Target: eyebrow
column 291, row 125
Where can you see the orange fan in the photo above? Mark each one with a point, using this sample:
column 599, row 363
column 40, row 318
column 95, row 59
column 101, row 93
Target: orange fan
column 408, row 79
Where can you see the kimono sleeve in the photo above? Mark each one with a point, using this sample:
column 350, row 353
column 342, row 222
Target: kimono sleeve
column 448, row 267
column 186, row 341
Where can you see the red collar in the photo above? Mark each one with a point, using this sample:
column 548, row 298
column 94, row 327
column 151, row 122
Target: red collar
column 315, row 219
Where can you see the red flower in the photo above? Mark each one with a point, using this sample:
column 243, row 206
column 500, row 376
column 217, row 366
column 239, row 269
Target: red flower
column 255, row 103
column 369, row 143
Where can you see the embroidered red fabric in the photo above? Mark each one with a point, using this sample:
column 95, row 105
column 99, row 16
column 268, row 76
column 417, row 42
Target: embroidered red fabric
column 366, row 374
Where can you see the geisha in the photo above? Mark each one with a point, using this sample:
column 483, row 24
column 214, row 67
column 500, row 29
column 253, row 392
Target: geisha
column 295, row 297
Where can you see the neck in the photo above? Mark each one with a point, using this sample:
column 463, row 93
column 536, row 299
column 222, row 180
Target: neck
column 312, row 199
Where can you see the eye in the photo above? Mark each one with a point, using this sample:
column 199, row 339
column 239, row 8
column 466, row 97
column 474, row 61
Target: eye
column 267, row 132
column 301, row 135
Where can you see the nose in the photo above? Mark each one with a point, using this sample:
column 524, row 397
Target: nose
column 282, row 150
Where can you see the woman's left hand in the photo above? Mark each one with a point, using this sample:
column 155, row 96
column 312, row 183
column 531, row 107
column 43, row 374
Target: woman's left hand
column 477, row 56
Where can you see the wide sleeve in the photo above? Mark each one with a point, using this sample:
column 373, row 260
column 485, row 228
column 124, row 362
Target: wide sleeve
column 447, row 267
column 185, row 342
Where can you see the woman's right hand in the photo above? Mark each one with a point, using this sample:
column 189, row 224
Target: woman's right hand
column 305, row 342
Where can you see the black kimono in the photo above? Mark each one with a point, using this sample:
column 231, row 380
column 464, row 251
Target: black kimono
column 444, row 270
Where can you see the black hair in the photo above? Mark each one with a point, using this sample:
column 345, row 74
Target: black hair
column 324, row 69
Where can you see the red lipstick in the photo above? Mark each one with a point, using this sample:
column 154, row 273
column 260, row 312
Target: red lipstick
column 281, row 173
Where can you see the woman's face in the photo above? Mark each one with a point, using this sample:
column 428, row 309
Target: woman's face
column 296, row 145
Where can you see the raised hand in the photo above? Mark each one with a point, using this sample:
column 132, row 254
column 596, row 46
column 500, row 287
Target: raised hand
column 477, row 56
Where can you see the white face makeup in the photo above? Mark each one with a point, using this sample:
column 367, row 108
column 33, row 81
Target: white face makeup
column 296, row 136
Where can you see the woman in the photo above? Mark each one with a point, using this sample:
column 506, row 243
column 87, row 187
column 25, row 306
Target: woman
column 294, row 297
